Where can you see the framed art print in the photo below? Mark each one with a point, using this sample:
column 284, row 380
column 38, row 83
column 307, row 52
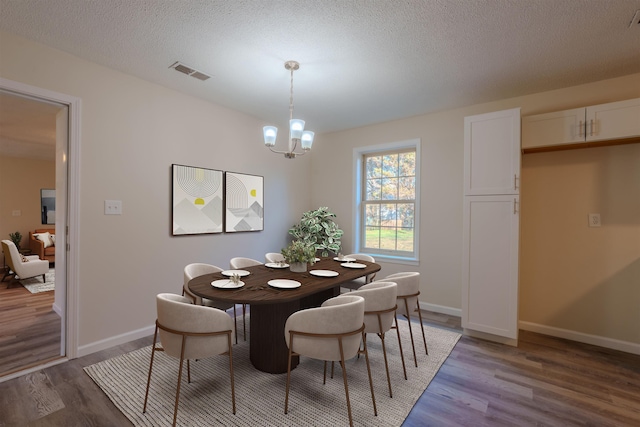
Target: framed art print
column 197, row 200
column 244, row 202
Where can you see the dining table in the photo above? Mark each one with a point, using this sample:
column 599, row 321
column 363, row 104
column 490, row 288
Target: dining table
column 273, row 293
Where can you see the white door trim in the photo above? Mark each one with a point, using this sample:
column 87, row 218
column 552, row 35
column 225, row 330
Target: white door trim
column 73, row 202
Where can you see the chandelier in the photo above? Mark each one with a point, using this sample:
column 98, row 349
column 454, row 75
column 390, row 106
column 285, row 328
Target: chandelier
column 297, row 135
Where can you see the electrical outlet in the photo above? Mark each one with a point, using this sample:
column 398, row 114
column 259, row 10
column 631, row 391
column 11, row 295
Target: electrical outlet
column 16, row 212
column 113, row 207
column 594, row 220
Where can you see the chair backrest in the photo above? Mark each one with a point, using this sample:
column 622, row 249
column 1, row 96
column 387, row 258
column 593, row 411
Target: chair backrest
column 194, row 270
column 273, row 257
column 337, row 315
column 177, row 313
column 362, row 257
column 240, row 262
column 10, row 253
column 378, row 297
column 408, row 284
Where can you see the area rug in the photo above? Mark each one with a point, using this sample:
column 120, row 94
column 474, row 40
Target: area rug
column 35, row 285
column 206, row 401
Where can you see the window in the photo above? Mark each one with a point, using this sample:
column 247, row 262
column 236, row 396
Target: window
column 388, row 200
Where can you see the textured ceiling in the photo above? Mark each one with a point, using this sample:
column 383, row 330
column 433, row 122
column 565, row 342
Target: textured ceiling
column 362, row 61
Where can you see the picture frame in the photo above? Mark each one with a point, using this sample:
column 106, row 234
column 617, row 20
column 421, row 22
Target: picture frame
column 244, row 202
column 48, row 206
column 197, row 200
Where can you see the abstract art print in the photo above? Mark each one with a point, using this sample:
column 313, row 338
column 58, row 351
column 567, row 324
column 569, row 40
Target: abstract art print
column 197, row 200
column 244, row 198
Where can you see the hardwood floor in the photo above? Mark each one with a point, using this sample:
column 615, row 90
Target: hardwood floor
column 29, row 328
column 544, row 382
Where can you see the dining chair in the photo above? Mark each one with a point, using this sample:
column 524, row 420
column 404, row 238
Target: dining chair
column 380, row 316
column 356, row 283
column 238, row 263
column 199, row 269
column 188, row 331
column 408, row 293
column 332, row 332
column 20, row 266
column 274, row 257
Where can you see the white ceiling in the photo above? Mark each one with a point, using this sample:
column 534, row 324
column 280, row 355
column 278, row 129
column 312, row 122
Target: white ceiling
column 362, row 61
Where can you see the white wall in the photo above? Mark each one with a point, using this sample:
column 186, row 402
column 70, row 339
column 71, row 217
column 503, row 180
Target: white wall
column 442, row 138
column 131, row 133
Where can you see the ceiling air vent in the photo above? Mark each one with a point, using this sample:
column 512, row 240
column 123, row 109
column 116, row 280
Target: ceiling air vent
column 184, row 69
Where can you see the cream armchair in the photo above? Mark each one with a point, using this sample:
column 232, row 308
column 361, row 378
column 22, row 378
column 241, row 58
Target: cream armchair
column 32, row 267
column 332, row 332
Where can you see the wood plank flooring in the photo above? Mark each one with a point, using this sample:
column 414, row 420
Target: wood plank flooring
column 544, row 382
column 29, row 328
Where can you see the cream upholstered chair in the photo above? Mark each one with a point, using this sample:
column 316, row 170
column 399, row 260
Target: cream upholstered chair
column 332, row 332
column 408, row 292
column 238, row 263
column 32, row 267
column 199, row 269
column 356, row 283
column 189, row 331
column 380, row 315
column 273, row 257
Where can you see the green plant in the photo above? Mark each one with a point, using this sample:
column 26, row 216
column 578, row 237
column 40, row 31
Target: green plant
column 299, row 251
column 16, row 238
column 317, row 228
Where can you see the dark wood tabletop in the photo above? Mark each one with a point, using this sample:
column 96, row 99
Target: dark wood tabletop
column 256, row 291
column 271, row 307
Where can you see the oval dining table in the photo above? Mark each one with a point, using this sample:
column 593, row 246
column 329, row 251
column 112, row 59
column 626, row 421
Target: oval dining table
column 271, row 306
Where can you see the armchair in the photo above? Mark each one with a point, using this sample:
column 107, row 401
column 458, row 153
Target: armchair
column 45, row 248
column 32, row 267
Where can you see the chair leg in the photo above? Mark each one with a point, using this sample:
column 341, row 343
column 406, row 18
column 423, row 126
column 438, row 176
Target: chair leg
column 188, row 372
column 175, row 408
column 386, row 364
column 404, row 369
column 244, row 323
column 422, row 326
column 43, row 279
column 233, row 389
column 153, row 352
column 235, row 322
column 344, row 378
column 373, row 398
column 406, row 306
column 286, row 396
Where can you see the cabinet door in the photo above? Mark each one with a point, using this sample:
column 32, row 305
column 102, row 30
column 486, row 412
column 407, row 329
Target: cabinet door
column 490, row 265
column 492, row 153
column 557, row 128
column 614, row 120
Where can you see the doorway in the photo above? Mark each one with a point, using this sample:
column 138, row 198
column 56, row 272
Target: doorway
column 39, row 128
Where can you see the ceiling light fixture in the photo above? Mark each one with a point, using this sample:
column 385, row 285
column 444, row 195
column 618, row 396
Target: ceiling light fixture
column 297, row 134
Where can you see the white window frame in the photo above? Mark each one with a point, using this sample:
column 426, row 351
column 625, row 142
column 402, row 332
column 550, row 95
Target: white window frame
column 358, row 155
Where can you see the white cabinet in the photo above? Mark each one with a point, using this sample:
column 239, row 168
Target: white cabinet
column 490, row 264
column 492, row 153
column 491, row 224
column 615, row 120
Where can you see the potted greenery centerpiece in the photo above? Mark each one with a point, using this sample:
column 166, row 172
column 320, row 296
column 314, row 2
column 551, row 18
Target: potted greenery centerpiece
column 318, row 229
column 298, row 254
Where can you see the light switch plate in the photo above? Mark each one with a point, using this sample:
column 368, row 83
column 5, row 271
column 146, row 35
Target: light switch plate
column 113, row 207
column 594, row 220
column 16, row 212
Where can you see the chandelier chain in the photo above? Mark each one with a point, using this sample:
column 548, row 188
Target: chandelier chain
column 291, row 97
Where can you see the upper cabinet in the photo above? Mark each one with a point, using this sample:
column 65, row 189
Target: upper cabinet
column 492, row 153
column 605, row 122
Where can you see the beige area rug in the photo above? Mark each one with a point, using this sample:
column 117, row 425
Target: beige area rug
column 35, row 285
column 206, row 401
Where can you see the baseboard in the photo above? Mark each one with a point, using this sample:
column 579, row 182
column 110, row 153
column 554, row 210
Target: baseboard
column 441, row 309
column 115, row 340
column 57, row 309
column 626, row 346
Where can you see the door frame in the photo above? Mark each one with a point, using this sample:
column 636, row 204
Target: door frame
column 71, row 154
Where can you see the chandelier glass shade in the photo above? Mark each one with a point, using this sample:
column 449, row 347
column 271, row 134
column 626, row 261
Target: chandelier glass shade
column 298, row 137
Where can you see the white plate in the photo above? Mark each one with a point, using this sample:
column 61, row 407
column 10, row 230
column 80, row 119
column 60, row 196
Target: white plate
column 353, row 265
column 276, row 265
column 230, row 273
column 317, row 259
column 226, row 284
column 284, row 283
column 344, row 259
column 324, row 273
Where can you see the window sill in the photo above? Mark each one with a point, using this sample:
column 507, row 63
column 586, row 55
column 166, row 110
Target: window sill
column 394, row 259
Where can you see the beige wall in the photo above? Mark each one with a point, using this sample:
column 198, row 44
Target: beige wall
column 608, row 182
column 20, row 183
column 131, row 133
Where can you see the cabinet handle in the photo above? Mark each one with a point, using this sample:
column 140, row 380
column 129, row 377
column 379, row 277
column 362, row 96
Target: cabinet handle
column 591, row 127
column 515, row 211
column 580, row 129
column 515, row 181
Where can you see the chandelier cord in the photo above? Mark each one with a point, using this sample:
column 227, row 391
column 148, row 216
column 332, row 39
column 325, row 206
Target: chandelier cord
column 291, row 97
